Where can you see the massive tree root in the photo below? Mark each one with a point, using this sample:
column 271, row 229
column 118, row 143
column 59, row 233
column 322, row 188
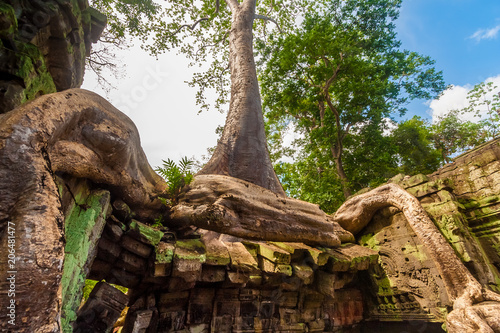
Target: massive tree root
column 239, row 208
column 74, row 132
column 475, row 308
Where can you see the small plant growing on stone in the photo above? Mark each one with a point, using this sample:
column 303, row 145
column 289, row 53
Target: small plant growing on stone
column 176, row 176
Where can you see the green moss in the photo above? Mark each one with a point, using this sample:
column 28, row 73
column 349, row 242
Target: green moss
column 145, row 232
column 190, row 249
column 384, row 286
column 415, row 251
column 84, row 223
column 370, row 241
column 8, row 14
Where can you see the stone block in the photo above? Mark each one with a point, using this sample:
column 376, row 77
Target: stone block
column 132, row 263
column 138, row 321
column 325, row 283
column 304, row 272
column 189, row 255
column 241, row 259
column 135, row 246
column 213, row 273
column 108, row 250
column 123, row 278
column 122, row 211
column 114, row 229
column 102, row 309
column 216, row 252
column 144, row 233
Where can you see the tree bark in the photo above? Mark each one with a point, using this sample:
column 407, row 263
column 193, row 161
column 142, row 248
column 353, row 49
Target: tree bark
column 242, row 149
column 239, row 208
column 473, row 305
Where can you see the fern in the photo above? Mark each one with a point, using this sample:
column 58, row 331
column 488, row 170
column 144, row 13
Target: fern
column 176, row 177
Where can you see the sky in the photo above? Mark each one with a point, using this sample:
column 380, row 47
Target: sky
column 462, row 36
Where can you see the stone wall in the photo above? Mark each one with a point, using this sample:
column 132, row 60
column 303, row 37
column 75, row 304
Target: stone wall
column 43, row 46
column 201, row 281
column 462, row 200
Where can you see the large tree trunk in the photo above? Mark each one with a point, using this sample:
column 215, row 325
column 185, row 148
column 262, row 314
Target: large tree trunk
column 242, row 150
column 475, row 308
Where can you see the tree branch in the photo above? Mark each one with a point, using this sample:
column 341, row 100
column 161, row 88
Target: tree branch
column 233, row 4
column 265, row 18
column 192, row 26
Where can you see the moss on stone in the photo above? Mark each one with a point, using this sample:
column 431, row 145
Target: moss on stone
column 190, row 249
column 84, row 223
column 8, row 14
column 145, row 233
column 369, row 241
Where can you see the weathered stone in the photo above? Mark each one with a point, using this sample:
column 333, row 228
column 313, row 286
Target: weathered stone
column 213, row 273
column 241, row 259
column 122, row 210
column 189, row 255
column 325, row 283
column 131, row 263
column 135, row 246
column 32, row 33
column 101, row 310
column 138, row 321
column 164, row 254
column 123, row 278
column 144, row 233
column 85, row 222
column 114, row 229
column 108, row 251
column 216, row 251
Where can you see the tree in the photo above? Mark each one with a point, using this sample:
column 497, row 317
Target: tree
column 415, row 150
column 242, row 149
column 452, row 135
column 340, row 73
column 484, row 103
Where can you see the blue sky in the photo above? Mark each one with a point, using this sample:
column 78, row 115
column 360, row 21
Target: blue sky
column 154, row 94
column 462, row 36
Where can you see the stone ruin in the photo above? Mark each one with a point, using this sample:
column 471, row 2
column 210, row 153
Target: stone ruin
column 201, row 281
column 184, row 278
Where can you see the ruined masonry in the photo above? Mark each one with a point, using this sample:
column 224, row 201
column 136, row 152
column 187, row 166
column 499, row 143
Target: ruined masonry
column 201, row 281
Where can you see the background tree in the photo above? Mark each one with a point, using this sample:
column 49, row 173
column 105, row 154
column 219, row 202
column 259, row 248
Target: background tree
column 416, row 153
column 484, row 103
column 338, row 76
column 451, row 135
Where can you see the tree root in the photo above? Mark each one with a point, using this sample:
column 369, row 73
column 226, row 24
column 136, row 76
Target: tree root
column 475, row 308
column 236, row 207
column 75, row 132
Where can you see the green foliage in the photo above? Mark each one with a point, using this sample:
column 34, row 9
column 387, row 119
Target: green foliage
column 484, row 103
column 452, row 135
column 415, row 150
column 336, row 79
column 176, row 177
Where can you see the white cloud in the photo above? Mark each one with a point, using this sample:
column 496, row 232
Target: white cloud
column 455, row 98
column 486, row 33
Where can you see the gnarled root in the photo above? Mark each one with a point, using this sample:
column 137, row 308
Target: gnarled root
column 475, row 309
column 232, row 206
column 74, row 132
